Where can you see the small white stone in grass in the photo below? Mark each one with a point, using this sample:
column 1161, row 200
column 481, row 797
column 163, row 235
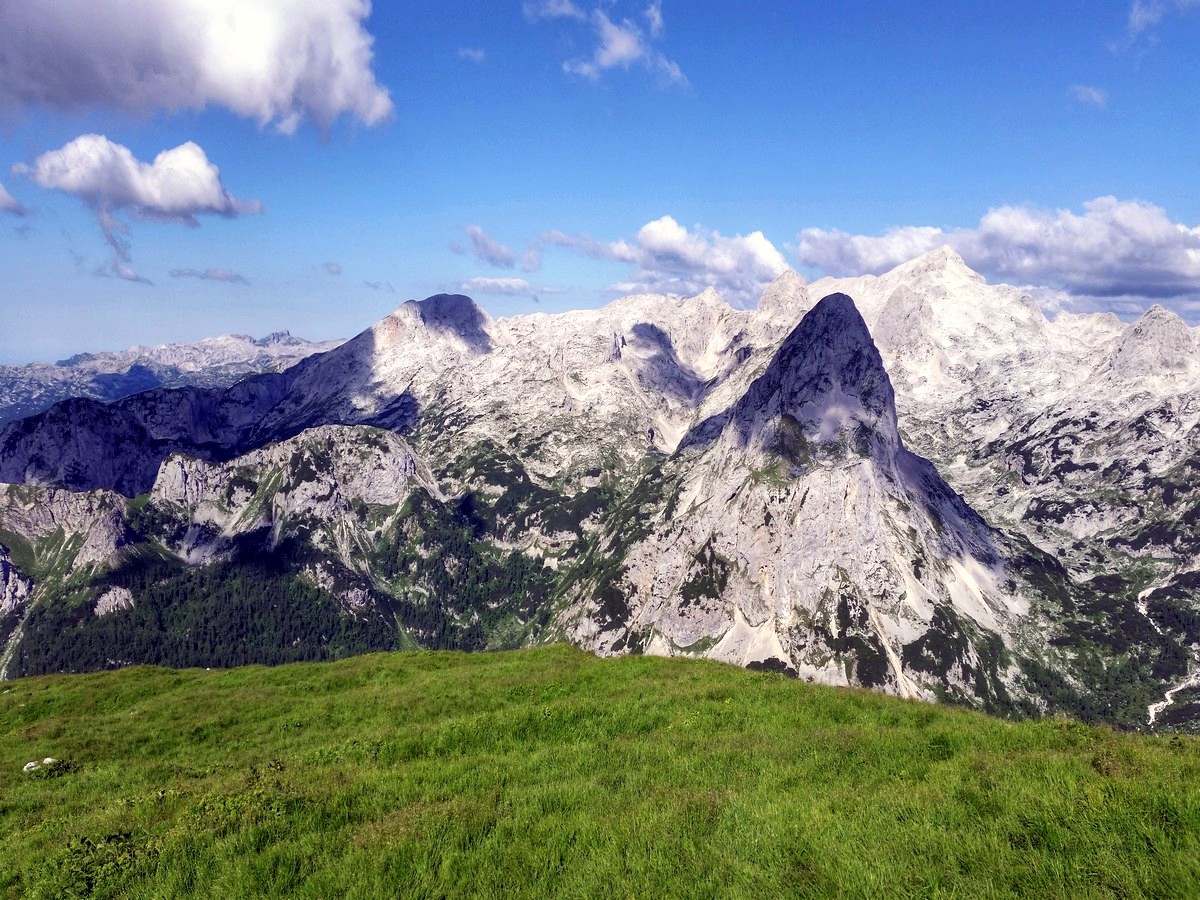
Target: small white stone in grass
column 31, row 766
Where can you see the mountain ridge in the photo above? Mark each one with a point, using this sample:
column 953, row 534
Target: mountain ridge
column 939, row 451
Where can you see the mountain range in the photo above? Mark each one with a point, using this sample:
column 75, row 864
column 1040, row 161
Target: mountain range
column 914, row 482
column 213, row 362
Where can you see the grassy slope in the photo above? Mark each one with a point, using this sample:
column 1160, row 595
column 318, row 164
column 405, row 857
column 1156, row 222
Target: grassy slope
column 550, row 772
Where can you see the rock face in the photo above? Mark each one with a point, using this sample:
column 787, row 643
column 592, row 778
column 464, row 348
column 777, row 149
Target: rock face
column 319, row 477
column 803, row 536
column 94, row 521
column 1159, row 343
column 14, row 585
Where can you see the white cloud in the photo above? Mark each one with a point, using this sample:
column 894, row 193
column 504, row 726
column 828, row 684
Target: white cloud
column 9, row 204
column 508, row 287
column 622, row 46
column 668, row 258
column 551, row 9
column 115, row 268
column 839, row 253
column 275, row 61
column 1112, row 249
column 178, row 186
column 333, row 268
column 619, row 43
column 224, row 275
column 531, row 259
column 475, row 55
column 1145, row 14
column 486, row 248
column 654, row 18
column 1088, row 95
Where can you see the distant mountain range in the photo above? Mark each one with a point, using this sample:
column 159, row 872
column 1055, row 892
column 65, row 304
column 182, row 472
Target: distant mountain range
column 913, row 482
column 214, row 362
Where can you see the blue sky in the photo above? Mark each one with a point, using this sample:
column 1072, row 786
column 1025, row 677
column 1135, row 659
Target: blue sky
column 552, row 154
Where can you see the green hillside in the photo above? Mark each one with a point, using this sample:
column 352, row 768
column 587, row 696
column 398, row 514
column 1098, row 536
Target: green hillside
column 551, row 773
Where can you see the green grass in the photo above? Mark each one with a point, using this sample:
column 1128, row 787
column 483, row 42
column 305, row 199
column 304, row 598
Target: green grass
column 551, row 773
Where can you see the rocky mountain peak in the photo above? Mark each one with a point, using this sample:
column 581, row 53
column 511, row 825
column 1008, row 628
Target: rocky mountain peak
column 1158, row 343
column 453, row 316
column 942, row 263
column 458, row 315
column 825, row 385
column 710, row 296
column 787, row 295
column 279, row 338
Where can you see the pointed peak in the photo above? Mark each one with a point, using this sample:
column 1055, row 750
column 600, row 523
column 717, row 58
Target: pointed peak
column 787, row 279
column 709, row 295
column 939, row 262
column 826, row 383
column 788, row 292
column 1157, row 343
column 1159, row 313
column 834, row 312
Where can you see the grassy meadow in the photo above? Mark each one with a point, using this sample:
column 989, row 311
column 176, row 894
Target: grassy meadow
column 552, row 773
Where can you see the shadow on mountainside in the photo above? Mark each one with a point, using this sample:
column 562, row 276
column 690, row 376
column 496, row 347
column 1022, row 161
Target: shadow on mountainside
column 83, row 444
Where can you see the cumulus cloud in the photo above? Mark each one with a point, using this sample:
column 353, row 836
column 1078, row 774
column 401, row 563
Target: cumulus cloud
column 508, row 287
column 333, row 268
column 486, row 249
column 275, row 61
column 618, row 44
column 1088, row 95
column 178, row 186
column 224, row 275
column 839, row 253
column 9, row 204
column 473, row 54
column 1114, row 248
column 668, row 258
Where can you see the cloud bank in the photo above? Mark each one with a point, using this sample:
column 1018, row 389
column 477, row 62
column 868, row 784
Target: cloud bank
column 278, row 62
column 1113, row 249
column 669, row 259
